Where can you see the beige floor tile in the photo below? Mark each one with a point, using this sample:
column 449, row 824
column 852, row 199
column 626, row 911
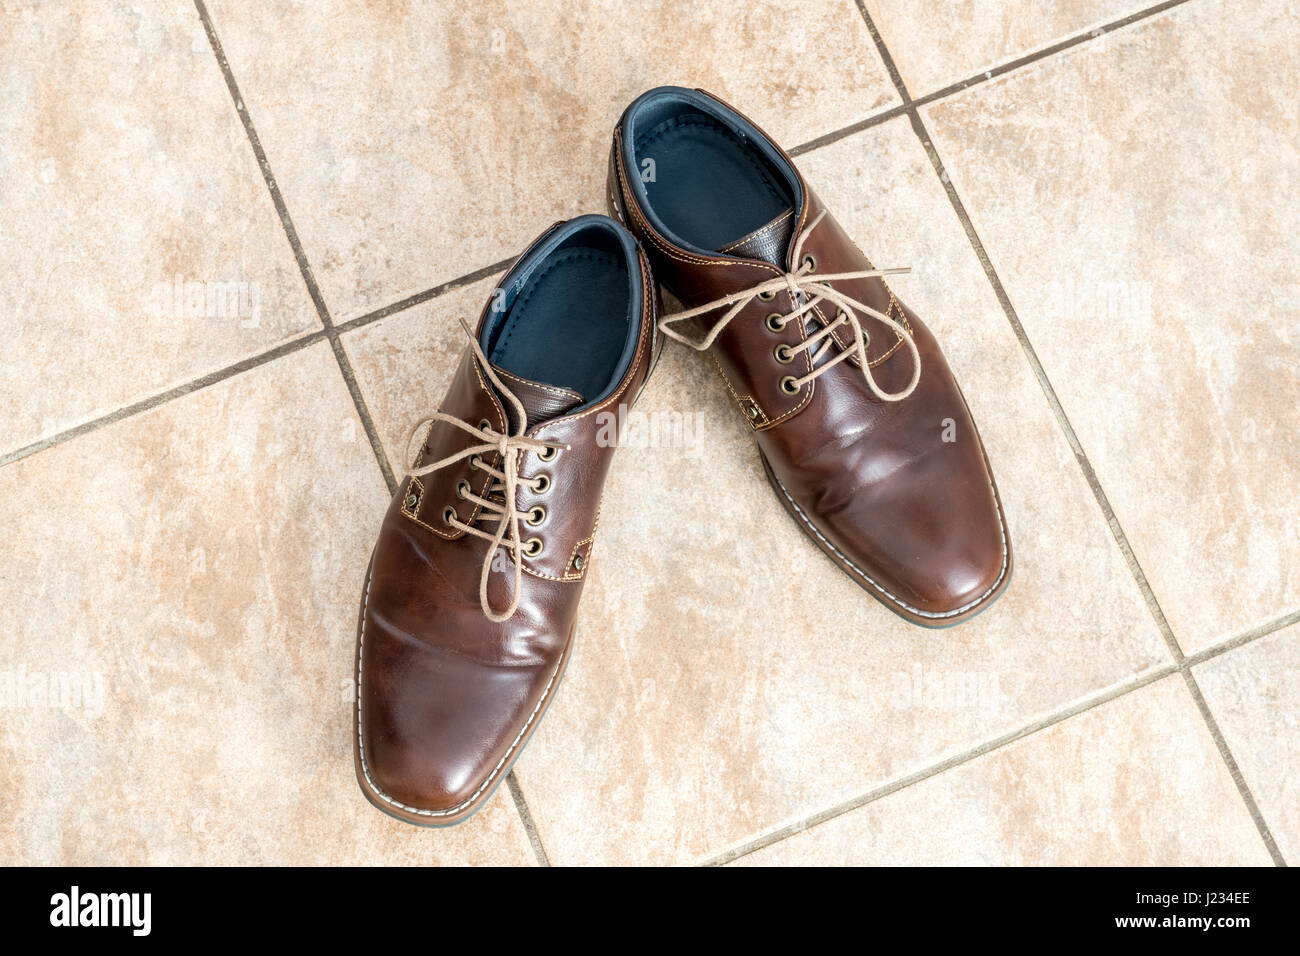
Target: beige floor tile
column 1137, row 198
column 934, row 45
column 727, row 677
column 1134, row 782
column 418, row 142
column 187, row 586
column 1254, row 694
column 124, row 168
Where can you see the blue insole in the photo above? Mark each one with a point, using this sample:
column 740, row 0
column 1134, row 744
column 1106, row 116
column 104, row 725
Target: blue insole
column 708, row 187
column 569, row 324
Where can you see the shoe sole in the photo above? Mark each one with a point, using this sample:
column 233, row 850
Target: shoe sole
column 787, row 501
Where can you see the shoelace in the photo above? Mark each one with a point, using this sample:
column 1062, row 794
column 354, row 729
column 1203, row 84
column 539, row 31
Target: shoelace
column 498, row 500
column 813, row 292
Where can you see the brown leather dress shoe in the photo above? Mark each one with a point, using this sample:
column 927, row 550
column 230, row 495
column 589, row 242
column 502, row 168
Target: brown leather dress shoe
column 467, row 618
column 861, row 427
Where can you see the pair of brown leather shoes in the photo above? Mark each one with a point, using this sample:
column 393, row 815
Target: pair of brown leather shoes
column 471, row 597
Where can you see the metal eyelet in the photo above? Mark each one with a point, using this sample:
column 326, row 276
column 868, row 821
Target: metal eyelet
column 533, row 547
column 543, row 482
column 810, row 261
column 775, row 322
column 548, row 453
column 475, row 461
column 462, row 489
column 790, row 385
column 783, row 354
column 767, row 296
column 448, row 513
column 484, row 425
column 578, row 562
column 536, row 515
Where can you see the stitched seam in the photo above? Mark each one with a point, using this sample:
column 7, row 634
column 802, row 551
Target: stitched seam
column 727, row 382
column 361, row 743
column 759, row 231
column 487, row 479
column 642, row 348
column 648, row 231
column 555, row 389
column 672, row 253
column 936, row 615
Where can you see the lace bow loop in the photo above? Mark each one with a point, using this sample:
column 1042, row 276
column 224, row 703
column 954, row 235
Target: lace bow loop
column 499, row 497
column 810, row 292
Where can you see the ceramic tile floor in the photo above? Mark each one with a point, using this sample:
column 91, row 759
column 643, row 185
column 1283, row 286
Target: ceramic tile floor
column 240, row 237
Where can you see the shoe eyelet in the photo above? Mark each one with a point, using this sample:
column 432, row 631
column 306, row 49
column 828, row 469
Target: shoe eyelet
column 578, row 562
column 775, row 322
column 548, row 453
column 448, row 514
column 533, row 547
column 475, row 462
column 542, row 484
column 810, row 261
column 462, row 489
column 484, row 425
column 536, row 515
column 790, row 385
column 783, row 354
column 767, row 296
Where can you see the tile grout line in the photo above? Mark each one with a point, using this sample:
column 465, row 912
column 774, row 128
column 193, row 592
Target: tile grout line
column 976, row 79
column 942, row 766
column 419, row 298
column 526, row 816
column 295, row 244
column 997, row 743
column 1254, row 634
column 162, row 398
column 1046, row 52
column 433, row 292
column 1063, row 421
column 332, row 333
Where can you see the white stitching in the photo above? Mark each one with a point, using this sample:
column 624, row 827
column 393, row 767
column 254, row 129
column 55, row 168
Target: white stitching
column 361, row 743
column 807, row 523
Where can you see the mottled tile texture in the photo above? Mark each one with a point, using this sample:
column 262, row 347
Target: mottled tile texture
column 1137, row 198
column 187, row 588
column 1134, row 782
column 180, row 586
column 419, row 141
column 123, row 168
column 1255, row 694
column 937, row 44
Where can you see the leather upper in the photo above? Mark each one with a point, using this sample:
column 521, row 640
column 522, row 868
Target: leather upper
column 913, row 517
column 446, row 697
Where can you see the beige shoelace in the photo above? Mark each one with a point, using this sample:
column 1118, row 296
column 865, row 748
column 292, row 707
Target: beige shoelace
column 814, row 292
column 498, row 500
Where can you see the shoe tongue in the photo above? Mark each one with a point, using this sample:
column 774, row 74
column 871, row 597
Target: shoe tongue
column 541, row 402
column 768, row 243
